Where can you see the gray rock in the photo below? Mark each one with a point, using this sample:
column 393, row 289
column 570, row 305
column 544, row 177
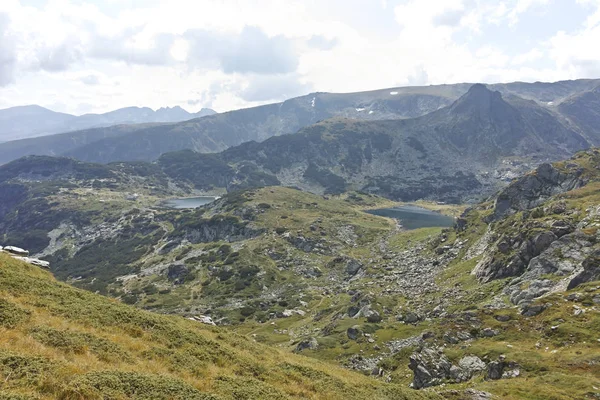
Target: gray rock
column 533, row 310
column 489, row 332
column 373, row 316
column 16, row 251
column 353, row 332
column 468, row 367
column 448, row 338
column 495, row 369
column 308, row 344
column 502, row 318
column 472, row 394
column 472, row 365
column 430, row 368
column 409, row 318
column 34, row 261
column 203, row 319
column 352, row 267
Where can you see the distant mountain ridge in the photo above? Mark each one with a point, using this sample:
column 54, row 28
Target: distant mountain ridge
column 32, row 121
column 219, row 132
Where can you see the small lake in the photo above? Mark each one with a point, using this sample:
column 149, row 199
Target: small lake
column 188, row 202
column 413, row 217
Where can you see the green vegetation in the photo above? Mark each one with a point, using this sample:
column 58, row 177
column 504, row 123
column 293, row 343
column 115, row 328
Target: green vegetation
column 70, row 344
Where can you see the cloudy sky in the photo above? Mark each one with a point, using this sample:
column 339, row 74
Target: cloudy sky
column 82, row 56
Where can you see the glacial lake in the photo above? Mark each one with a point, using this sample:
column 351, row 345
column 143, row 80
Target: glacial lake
column 188, row 202
column 413, row 217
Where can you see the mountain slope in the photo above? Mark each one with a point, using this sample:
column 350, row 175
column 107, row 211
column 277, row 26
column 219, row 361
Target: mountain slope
column 61, row 342
column 259, row 123
column 27, row 121
column 32, row 121
column 584, row 111
column 458, row 152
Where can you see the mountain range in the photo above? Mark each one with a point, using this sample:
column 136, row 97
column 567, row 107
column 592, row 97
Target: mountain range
column 555, row 103
column 32, row 121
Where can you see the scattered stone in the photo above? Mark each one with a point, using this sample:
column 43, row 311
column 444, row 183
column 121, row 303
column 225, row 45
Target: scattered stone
column 489, row 332
column 450, row 339
column 472, row 394
column 574, row 297
column 308, row 344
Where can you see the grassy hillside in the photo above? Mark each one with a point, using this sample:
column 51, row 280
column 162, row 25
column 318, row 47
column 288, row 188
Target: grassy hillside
column 60, row 342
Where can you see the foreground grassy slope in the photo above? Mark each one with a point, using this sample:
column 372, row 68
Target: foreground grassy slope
column 60, row 342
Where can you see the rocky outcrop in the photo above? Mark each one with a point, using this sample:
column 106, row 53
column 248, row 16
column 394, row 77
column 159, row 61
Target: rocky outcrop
column 17, row 251
column 215, row 229
column 23, row 255
column 591, row 270
column 308, row 344
column 431, row 368
column 203, row 319
column 533, row 189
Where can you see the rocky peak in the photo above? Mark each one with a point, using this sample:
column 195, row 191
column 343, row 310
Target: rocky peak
column 479, row 99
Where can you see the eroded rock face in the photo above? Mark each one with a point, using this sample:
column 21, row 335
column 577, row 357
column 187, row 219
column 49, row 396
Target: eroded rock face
column 532, row 190
column 430, row 368
column 591, row 270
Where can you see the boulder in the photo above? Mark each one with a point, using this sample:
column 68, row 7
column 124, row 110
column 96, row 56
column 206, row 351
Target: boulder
column 373, row 316
column 410, row 318
column 352, row 267
column 495, row 369
column 502, row 318
column 533, row 310
column 353, row 332
column 34, row 261
column 203, row 319
column 430, row 368
column 489, row 332
column 307, row 344
column 16, row 251
column 471, row 366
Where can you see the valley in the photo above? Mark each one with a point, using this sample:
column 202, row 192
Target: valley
column 320, row 276
column 450, row 251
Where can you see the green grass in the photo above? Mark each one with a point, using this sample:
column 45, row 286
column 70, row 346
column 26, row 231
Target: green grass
column 60, row 342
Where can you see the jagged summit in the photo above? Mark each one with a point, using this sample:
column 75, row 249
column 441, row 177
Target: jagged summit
column 479, row 98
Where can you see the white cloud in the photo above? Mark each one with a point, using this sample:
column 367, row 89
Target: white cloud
column 229, row 54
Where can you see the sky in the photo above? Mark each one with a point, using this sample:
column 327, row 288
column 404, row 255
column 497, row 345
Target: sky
column 82, row 56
